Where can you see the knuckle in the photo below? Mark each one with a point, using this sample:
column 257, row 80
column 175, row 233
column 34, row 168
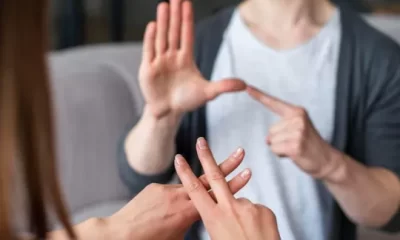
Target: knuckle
column 194, row 186
column 295, row 149
column 216, row 175
column 301, row 112
column 268, row 214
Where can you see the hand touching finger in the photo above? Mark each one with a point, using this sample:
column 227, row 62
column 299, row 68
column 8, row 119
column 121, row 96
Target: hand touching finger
column 276, row 105
column 197, row 193
column 227, row 166
column 214, row 89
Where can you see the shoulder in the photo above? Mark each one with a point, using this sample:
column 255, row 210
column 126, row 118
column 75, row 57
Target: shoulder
column 375, row 57
column 367, row 41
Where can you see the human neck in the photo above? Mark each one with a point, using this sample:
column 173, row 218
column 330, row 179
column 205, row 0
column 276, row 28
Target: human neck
column 287, row 14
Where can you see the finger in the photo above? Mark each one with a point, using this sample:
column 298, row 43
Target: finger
column 274, row 104
column 282, row 126
column 284, row 136
column 282, row 149
column 227, row 166
column 162, row 27
column 149, row 41
column 236, row 183
column 244, row 201
column 214, row 175
column 239, row 181
column 214, row 89
column 187, row 31
column 197, row 193
column 174, row 25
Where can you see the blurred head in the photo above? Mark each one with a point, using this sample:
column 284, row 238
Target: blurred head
column 26, row 128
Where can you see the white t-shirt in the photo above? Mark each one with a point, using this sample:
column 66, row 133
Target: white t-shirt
column 305, row 76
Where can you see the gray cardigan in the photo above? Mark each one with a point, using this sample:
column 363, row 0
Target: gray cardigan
column 367, row 117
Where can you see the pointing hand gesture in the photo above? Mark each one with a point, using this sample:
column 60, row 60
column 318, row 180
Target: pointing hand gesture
column 169, row 78
column 295, row 136
column 227, row 217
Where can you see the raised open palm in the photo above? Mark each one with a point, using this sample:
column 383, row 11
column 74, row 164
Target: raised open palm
column 169, row 78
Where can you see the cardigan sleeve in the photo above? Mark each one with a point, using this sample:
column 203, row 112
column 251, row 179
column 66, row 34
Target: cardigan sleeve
column 381, row 138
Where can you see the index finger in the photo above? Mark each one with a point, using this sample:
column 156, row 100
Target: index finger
column 197, row 193
column 274, row 104
column 213, row 173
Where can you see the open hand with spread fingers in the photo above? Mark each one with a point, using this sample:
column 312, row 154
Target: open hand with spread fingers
column 224, row 217
column 165, row 212
column 295, row 136
column 169, row 78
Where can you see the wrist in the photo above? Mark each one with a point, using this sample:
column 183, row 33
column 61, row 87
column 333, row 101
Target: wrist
column 336, row 170
column 170, row 120
column 93, row 228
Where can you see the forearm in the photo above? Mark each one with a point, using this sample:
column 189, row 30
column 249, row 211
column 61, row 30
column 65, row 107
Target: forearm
column 94, row 228
column 150, row 145
column 368, row 196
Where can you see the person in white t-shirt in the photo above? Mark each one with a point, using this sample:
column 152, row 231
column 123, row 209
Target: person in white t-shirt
column 290, row 56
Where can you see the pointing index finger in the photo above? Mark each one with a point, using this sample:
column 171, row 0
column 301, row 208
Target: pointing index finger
column 274, row 104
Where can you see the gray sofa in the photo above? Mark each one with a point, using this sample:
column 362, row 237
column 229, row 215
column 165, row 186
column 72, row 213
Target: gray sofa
column 97, row 99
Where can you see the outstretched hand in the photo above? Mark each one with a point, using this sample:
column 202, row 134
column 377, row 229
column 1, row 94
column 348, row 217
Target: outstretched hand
column 224, row 217
column 169, row 78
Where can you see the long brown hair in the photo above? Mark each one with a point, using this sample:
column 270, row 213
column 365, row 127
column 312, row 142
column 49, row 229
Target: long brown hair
column 26, row 127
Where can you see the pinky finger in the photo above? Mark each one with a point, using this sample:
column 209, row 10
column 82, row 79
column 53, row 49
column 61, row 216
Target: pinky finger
column 237, row 183
column 149, row 42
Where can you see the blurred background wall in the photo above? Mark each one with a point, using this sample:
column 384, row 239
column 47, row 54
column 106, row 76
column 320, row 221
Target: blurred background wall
column 77, row 22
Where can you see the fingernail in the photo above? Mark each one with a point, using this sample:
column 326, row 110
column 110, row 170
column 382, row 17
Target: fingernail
column 238, row 153
column 201, row 142
column 178, row 160
column 245, row 174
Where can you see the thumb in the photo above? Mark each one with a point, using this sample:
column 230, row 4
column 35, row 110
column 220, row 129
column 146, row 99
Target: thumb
column 214, row 89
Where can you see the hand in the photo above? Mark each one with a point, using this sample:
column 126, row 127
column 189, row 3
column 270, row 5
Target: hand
column 228, row 218
column 165, row 212
column 169, row 78
column 295, row 136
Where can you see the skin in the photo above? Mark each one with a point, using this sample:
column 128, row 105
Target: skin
column 230, row 218
column 171, row 85
column 162, row 212
column 368, row 195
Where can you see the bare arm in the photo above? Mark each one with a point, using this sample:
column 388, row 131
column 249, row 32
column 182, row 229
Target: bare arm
column 150, row 145
column 94, row 228
column 369, row 196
